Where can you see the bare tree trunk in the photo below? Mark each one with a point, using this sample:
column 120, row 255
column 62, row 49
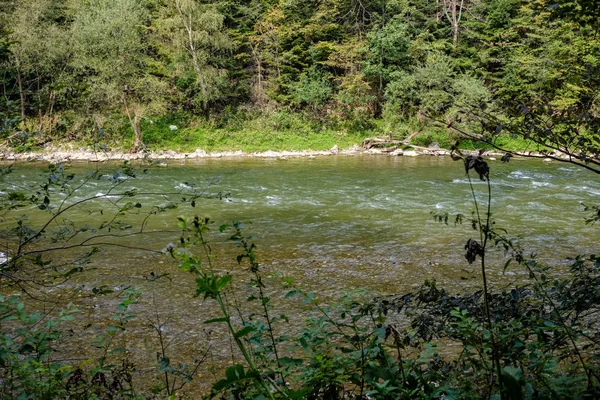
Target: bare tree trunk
column 259, row 90
column 137, row 145
column 191, row 48
column 134, row 121
column 453, row 10
column 21, row 93
column 455, row 35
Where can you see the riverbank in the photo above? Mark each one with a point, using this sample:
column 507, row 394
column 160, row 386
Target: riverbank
column 71, row 153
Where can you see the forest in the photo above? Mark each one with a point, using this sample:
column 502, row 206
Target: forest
column 225, row 72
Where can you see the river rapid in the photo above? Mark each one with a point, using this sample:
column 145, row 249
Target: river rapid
column 333, row 224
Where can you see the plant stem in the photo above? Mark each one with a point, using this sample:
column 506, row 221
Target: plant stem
column 484, row 234
column 227, row 316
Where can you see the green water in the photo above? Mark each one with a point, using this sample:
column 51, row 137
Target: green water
column 333, row 224
column 363, row 220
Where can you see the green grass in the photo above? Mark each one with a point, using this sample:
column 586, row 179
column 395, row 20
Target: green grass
column 276, row 131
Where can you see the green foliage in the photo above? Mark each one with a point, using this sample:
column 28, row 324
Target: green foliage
column 192, row 39
column 523, row 74
column 433, row 88
column 312, row 89
column 27, row 366
column 387, row 51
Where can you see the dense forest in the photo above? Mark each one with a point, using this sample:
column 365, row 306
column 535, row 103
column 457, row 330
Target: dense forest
column 72, row 68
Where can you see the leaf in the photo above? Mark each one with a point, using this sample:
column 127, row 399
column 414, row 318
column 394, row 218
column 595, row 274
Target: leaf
column 511, row 377
column 506, row 158
column 235, row 373
column 214, row 320
column 223, row 227
column 221, row 283
column 506, row 265
column 290, row 361
column 118, row 350
column 292, row 293
column 474, row 249
column 243, row 332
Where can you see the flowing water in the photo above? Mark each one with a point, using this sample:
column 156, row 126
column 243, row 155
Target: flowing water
column 334, row 224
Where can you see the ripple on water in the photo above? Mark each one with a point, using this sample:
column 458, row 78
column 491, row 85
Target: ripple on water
column 183, row 186
column 536, row 205
column 566, row 196
column 273, row 200
column 307, row 201
column 542, row 184
column 583, row 189
column 518, row 174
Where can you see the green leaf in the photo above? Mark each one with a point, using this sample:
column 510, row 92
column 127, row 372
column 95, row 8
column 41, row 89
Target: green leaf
column 235, row 373
column 292, row 293
column 214, row 320
column 290, row 361
column 243, row 332
column 118, row 350
column 221, row 283
column 512, row 387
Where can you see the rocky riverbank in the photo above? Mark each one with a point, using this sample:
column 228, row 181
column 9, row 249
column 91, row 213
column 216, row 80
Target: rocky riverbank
column 67, row 153
column 71, row 153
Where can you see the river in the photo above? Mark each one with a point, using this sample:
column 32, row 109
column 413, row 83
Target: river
column 333, row 224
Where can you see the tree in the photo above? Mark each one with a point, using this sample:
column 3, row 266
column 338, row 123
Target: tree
column 433, row 88
column 194, row 41
column 387, row 51
column 110, row 58
column 453, row 10
column 547, row 92
column 40, row 53
column 265, row 50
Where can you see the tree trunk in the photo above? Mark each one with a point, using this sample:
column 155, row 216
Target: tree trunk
column 137, row 129
column 453, row 10
column 21, row 93
column 134, row 121
column 191, row 48
column 258, row 95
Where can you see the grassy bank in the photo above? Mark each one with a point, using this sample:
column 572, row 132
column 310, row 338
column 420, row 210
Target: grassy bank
column 276, row 131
